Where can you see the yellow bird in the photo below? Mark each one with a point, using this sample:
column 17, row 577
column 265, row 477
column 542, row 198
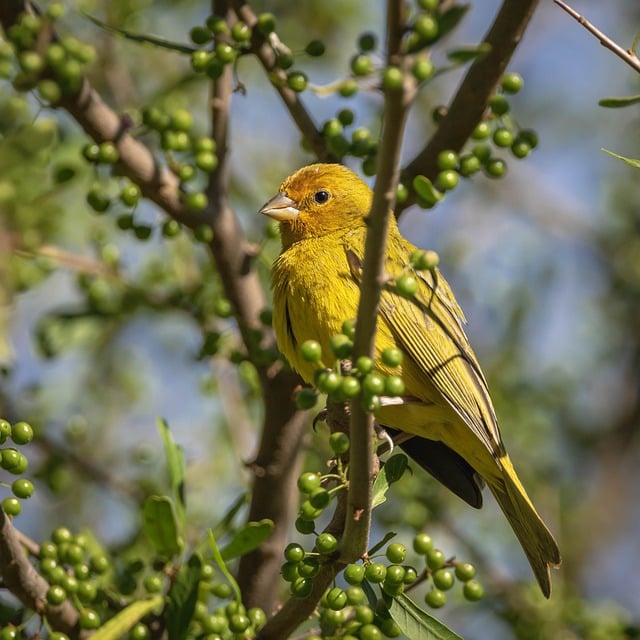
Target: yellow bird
column 322, row 212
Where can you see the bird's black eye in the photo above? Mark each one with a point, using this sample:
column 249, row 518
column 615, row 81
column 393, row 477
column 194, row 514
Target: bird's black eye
column 321, row 196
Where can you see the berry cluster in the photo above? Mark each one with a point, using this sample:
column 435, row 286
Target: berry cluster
column 442, row 573
column 54, row 69
column 15, row 462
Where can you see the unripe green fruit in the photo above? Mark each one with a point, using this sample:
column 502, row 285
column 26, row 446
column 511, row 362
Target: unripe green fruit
column 199, row 60
column 240, row 32
column 447, row 159
column 336, row 599
column 196, row 201
column 520, row 148
column 346, row 118
column 309, row 567
column 12, row 506
column 396, row 552
column 294, row 552
column 499, row 104
column 181, row 120
column 435, row 559
column 443, row 579
column 447, row 180
column 367, row 41
column 348, row 88
column 97, row 199
column 153, row 584
column 5, row 430
column 89, row 619
column 10, row 459
column 406, row 286
column 311, row 351
column 308, row 482
column 222, row 590
column 326, row 543
column 315, row 48
column 472, row 590
column 426, row 26
column 206, row 161
column 502, row 137
column 109, row 153
column 130, row 195
column 392, row 79
column 496, row 168
column 332, row 128
column 49, row 90
column 465, row 571
column 139, row 631
column 22, row 488
column 266, row 23
column 394, row 386
column 297, row 81
column 22, row 433
column 200, row 35
column 395, row 574
column 392, row 357
column 512, row 82
column 375, row 572
column 354, row 573
column 301, row 588
column 56, row 595
column 306, row 399
column 373, row 384
column 350, row 387
column 225, row 52
column 422, row 69
column 370, row 632
column 482, row 131
column 341, row 346
column 309, row 513
column 435, row 598
column 530, row 136
column 361, row 65
column 258, row 617
column 469, row 164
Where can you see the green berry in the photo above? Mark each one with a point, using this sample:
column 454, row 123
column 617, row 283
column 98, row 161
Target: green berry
column 350, row 387
column 171, row 228
column 153, row 584
column 200, row 60
column 375, row 572
column 443, row 579
column 11, row 506
column 200, row 35
column 130, row 195
column 396, row 552
column 364, row 365
column 61, row 535
column 354, row 573
column 392, row 357
column 392, row 79
column 89, row 619
column 139, row 631
column 320, row 498
column 465, row 571
column 332, row 128
column 373, row 384
column 315, row 48
column 390, row 628
column 222, row 590
column 301, row 588
column 108, row 153
column 512, row 82
column 87, row 591
column 181, row 120
column 426, row 26
column 435, row 598
column 196, row 201
column 97, row 199
column 297, row 80
column 369, row 632
column 469, row 164
column 266, row 23
column 496, row 168
column 289, row 571
column 258, row 617
column 502, row 137
column 520, row 148
column 482, row 131
column 155, row 118
column 395, row 573
column 435, row 559
column 308, row 482
column 225, row 52
column 294, row 552
column 367, row 41
column 406, row 286
column 22, row 433
column 349, row 328
column 56, row 595
column 5, row 430
column 309, row 567
column 22, row 488
column 336, row 599
column 447, row 159
column 241, row 32
column 284, row 60
column 341, row 346
column 339, row 442
column 482, row 152
column 49, row 90
column 10, row 459
column 348, row 88
column 311, row 351
column 326, row 543
column 99, row 563
column 447, row 180
column 306, row 399
column 308, row 512
column 472, row 590
column 530, row 136
column 361, row 65
column 394, row 386
column 422, row 69
column 206, row 161
column 499, row 104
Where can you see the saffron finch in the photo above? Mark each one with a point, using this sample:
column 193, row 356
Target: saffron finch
column 322, row 210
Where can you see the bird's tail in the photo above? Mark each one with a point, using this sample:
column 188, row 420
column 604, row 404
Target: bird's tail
column 537, row 542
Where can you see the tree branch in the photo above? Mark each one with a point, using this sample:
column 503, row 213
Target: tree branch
column 264, row 52
column 471, row 98
column 628, row 55
column 21, row 578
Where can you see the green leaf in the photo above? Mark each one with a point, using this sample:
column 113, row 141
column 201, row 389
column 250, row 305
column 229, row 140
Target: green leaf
column 416, row 623
column 633, row 162
column 218, row 559
column 160, row 523
column 617, row 103
column 143, row 38
column 391, row 472
column 183, row 597
column 224, row 525
column 122, row 622
column 250, row 537
column 175, row 465
column 465, row 54
column 450, row 19
column 426, row 191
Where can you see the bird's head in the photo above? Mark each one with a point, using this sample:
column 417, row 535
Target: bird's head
column 318, row 200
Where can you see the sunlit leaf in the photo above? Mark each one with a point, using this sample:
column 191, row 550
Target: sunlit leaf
column 183, row 597
column 250, row 537
column 416, row 623
column 124, row 620
column 633, row 162
column 160, row 524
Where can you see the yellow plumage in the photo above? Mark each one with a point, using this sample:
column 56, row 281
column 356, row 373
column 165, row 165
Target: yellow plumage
column 322, row 210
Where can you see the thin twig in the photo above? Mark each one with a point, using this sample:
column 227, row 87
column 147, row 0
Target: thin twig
column 628, row 55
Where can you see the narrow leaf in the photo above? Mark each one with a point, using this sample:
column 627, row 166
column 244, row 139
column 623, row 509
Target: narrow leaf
column 175, row 466
column 617, row 103
column 183, row 597
column 143, row 38
column 391, row 472
column 250, row 537
column 122, row 622
column 416, row 623
column 465, row 54
column 633, row 162
column 218, row 559
column 450, row 19
column 161, row 525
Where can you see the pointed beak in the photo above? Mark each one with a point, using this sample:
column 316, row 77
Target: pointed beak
column 281, row 208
